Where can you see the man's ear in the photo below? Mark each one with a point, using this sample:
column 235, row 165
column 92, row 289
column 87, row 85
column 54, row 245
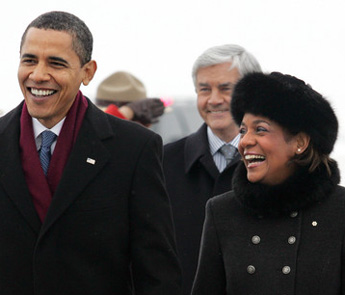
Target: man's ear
column 302, row 140
column 89, row 71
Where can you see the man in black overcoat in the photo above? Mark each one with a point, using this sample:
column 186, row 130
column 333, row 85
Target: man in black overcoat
column 82, row 197
column 195, row 167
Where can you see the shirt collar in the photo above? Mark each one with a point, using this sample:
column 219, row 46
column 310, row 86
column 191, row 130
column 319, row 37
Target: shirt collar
column 39, row 128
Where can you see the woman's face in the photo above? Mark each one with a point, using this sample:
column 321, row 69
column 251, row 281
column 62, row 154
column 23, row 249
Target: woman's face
column 266, row 150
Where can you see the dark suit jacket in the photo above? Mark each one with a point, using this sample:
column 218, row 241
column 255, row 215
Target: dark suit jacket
column 109, row 226
column 192, row 178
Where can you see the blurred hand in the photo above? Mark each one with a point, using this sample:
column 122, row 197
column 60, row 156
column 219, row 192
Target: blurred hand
column 147, row 111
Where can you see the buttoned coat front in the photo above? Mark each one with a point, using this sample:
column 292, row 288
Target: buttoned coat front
column 301, row 253
column 192, row 178
column 108, row 229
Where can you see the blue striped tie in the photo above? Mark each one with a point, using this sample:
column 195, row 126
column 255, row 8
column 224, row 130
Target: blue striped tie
column 48, row 138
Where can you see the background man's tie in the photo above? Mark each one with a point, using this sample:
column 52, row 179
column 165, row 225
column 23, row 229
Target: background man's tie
column 228, row 152
column 48, row 138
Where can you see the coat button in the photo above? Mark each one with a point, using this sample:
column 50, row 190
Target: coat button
column 292, row 240
column 250, row 269
column 256, row 240
column 286, row 270
column 293, row 214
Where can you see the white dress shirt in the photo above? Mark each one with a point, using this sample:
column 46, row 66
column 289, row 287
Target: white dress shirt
column 39, row 128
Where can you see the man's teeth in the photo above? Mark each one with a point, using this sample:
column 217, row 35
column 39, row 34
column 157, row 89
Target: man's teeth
column 40, row 92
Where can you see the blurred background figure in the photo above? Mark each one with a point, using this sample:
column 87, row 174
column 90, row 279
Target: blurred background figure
column 124, row 95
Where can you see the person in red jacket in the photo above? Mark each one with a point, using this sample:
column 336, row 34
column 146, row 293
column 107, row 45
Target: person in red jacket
column 124, row 96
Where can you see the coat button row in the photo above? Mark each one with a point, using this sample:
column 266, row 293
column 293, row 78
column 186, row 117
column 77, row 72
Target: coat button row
column 256, row 240
column 285, row 270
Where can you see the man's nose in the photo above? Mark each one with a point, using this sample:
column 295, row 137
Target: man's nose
column 215, row 97
column 40, row 73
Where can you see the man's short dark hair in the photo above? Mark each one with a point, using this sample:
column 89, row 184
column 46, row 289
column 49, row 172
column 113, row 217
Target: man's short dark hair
column 82, row 40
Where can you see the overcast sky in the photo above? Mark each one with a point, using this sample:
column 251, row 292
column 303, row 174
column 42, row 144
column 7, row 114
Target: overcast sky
column 159, row 40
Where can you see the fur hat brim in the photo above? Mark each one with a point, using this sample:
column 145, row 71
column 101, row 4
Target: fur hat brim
column 289, row 102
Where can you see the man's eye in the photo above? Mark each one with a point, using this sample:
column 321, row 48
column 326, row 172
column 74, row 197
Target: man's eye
column 57, row 64
column 242, row 131
column 28, row 61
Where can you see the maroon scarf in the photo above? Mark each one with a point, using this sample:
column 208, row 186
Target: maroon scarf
column 42, row 187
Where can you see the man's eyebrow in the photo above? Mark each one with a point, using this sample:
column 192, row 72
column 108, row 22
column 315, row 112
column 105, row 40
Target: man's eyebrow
column 227, row 84
column 203, row 84
column 28, row 55
column 59, row 59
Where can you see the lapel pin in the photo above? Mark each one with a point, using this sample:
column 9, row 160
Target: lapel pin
column 314, row 223
column 91, row 161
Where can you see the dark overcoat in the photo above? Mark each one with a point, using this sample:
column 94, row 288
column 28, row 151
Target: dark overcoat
column 301, row 252
column 192, row 178
column 109, row 227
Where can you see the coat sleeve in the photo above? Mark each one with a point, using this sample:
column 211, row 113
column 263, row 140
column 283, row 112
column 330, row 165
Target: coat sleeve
column 343, row 268
column 154, row 263
column 210, row 275
column 114, row 110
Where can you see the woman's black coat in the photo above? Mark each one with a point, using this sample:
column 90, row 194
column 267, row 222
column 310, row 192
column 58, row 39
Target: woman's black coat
column 257, row 245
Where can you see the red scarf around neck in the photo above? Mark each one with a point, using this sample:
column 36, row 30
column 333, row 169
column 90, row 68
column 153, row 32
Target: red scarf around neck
column 42, row 187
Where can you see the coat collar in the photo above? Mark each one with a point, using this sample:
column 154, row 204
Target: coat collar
column 11, row 172
column 300, row 191
column 197, row 149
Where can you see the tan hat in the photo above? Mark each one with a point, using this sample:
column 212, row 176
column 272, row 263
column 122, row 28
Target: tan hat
column 121, row 86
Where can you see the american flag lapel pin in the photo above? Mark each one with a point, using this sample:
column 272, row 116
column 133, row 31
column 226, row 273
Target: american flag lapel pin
column 91, row 161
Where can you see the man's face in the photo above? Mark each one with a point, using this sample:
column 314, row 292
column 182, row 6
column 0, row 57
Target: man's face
column 214, row 88
column 50, row 74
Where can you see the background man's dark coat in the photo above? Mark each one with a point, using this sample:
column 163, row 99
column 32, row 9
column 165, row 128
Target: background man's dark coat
column 192, row 178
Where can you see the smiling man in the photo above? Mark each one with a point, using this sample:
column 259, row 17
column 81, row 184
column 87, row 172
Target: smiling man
column 195, row 167
column 82, row 195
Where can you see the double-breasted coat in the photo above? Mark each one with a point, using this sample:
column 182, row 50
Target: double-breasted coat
column 192, row 178
column 298, row 251
column 109, row 227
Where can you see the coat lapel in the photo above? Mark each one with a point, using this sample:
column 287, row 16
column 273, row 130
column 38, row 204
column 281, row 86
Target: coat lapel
column 12, row 178
column 197, row 149
column 87, row 158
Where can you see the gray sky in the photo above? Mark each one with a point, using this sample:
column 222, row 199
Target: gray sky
column 159, row 40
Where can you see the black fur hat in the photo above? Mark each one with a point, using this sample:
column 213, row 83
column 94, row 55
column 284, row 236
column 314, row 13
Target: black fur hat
column 289, row 102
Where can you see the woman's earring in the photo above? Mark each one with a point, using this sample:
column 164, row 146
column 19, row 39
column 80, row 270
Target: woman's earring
column 299, row 150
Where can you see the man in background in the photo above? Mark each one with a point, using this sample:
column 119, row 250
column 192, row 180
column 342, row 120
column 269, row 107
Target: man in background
column 124, row 95
column 82, row 198
column 201, row 165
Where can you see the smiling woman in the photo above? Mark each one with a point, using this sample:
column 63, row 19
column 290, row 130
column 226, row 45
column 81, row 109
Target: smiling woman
column 285, row 197
column 267, row 149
